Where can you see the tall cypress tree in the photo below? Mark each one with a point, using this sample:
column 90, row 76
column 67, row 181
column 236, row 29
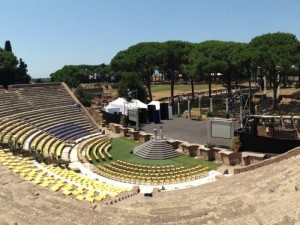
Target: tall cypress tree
column 22, row 77
column 8, row 46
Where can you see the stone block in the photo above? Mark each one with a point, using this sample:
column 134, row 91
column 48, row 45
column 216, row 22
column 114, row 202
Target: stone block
column 175, row 143
column 124, row 131
column 144, row 137
column 189, row 149
column 134, row 135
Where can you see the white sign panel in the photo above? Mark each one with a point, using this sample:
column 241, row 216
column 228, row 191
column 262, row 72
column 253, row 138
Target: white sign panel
column 220, row 129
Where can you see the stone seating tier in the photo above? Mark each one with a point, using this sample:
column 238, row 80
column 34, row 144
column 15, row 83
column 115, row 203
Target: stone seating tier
column 45, row 96
column 28, row 111
column 69, row 131
column 51, row 113
column 60, row 120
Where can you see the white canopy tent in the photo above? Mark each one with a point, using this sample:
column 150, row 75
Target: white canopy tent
column 137, row 104
column 111, row 109
column 156, row 103
column 119, row 103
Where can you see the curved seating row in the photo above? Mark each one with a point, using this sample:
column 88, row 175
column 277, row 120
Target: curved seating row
column 98, row 149
column 82, row 145
column 38, row 96
column 106, row 148
column 148, row 167
column 57, row 179
column 135, row 173
column 93, row 148
column 19, row 131
column 42, row 107
column 11, row 104
column 25, row 135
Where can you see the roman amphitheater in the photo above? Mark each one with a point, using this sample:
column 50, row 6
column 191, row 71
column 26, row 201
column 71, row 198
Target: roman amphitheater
column 49, row 122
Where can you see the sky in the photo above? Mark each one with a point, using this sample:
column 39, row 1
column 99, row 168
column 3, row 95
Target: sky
column 48, row 34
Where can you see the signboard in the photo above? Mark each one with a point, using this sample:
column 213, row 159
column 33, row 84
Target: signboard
column 221, row 129
column 133, row 115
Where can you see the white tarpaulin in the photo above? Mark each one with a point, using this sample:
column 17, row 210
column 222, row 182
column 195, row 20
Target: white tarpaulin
column 111, row 109
column 156, row 103
column 119, row 103
column 136, row 104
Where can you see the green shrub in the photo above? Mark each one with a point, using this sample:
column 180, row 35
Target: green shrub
column 210, row 145
column 84, row 97
column 235, row 144
column 227, row 115
column 124, row 121
column 209, row 114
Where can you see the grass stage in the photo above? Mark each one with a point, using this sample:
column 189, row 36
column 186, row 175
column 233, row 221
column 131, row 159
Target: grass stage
column 121, row 148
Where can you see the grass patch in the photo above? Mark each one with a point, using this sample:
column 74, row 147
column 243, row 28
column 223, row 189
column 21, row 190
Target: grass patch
column 121, row 148
column 182, row 87
column 163, row 91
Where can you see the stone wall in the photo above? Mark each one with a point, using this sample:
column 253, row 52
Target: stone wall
column 229, row 157
column 289, row 154
column 83, row 109
column 95, row 113
column 13, row 86
column 294, row 94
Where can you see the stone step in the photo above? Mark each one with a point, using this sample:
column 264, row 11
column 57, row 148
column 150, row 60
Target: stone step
column 155, row 149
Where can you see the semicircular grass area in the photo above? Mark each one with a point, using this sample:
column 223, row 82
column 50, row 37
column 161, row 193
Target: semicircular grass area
column 122, row 148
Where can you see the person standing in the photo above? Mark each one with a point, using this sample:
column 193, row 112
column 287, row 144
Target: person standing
column 161, row 133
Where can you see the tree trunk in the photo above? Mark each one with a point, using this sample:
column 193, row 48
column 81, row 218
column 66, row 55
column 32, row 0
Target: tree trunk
column 275, row 103
column 255, row 75
column 275, row 85
column 149, row 90
column 215, row 77
column 228, row 84
column 298, row 76
column 209, row 86
column 284, row 80
column 147, row 78
column 193, row 91
column 249, row 77
column 172, row 86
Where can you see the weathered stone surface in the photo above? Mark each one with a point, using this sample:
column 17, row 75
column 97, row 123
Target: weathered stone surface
column 245, row 198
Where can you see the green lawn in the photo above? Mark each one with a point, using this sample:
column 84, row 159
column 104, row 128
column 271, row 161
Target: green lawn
column 182, row 87
column 121, row 148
